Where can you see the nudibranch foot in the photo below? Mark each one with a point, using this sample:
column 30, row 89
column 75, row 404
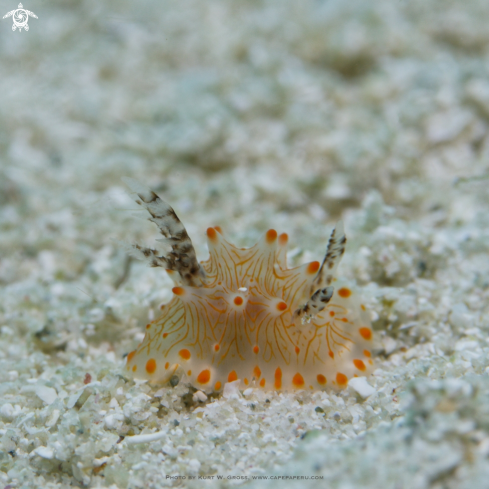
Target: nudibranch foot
column 242, row 314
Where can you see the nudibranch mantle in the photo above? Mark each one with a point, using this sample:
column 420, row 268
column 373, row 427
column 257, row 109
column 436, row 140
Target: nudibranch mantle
column 242, row 314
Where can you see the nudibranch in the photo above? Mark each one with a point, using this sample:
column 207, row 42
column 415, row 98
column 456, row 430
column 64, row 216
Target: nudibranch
column 242, row 314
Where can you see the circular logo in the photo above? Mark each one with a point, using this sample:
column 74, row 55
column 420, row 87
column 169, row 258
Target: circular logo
column 20, row 19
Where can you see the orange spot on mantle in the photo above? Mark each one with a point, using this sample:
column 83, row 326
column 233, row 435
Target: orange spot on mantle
column 298, row 380
column 367, row 353
column 341, row 379
column 185, row 354
column 212, row 234
column 283, row 239
column 204, row 376
column 359, row 364
column 256, row 349
column 262, row 383
column 321, row 379
column 257, row 372
column 282, row 306
column 178, row 291
column 151, row 366
column 366, row 333
column 344, row 292
column 278, row 378
column 313, row 267
column 217, row 386
column 271, row 236
column 232, row 376
column 130, row 356
column 238, row 300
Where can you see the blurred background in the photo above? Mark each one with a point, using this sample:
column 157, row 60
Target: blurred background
column 247, row 114
column 243, row 110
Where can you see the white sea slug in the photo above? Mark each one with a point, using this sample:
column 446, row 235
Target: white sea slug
column 242, row 314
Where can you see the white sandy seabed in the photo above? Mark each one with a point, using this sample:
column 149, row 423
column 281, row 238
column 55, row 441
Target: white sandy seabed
column 249, row 115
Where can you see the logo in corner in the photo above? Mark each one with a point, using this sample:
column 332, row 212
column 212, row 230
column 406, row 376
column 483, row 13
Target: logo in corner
column 20, row 17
